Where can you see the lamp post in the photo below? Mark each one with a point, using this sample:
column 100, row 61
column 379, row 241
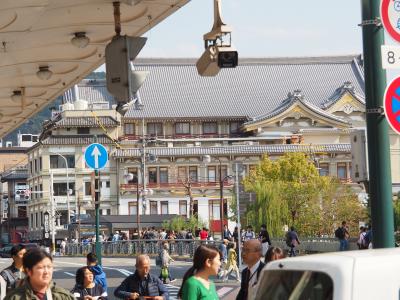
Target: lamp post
column 66, row 167
column 207, row 159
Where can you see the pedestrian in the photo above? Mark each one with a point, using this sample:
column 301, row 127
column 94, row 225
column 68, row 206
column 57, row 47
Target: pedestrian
column 166, row 259
column 249, row 234
column 231, row 265
column 343, row 235
column 227, row 234
column 86, row 288
column 38, row 266
column 63, row 245
column 14, row 274
column 274, row 253
column 195, row 283
column 224, row 257
column 292, row 241
column 252, row 253
column 99, row 275
column 203, row 234
column 361, row 242
column 263, row 236
column 142, row 283
column 235, row 235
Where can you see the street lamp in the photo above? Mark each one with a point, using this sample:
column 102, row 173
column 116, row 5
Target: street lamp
column 68, row 192
column 207, row 159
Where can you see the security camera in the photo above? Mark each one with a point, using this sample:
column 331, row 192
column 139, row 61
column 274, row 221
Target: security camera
column 227, row 57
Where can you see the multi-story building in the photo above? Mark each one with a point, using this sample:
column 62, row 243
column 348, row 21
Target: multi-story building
column 198, row 128
column 59, row 158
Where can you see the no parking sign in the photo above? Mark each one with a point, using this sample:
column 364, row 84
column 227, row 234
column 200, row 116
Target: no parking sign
column 392, row 104
column 390, row 15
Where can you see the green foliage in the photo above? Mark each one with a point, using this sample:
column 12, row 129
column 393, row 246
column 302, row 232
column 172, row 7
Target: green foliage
column 290, row 191
column 179, row 222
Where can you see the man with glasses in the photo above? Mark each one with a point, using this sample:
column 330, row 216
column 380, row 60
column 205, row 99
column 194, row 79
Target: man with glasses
column 251, row 253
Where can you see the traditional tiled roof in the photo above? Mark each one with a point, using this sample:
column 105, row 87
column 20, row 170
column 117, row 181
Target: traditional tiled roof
column 75, row 140
column 15, row 174
column 347, row 87
column 105, row 121
column 292, row 99
column 93, row 91
column 174, row 90
column 235, row 150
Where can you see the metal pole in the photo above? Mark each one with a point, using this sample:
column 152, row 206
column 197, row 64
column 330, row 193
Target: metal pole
column 137, row 206
column 377, row 129
column 221, row 194
column 97, row 209
column 143, row 161
column 52, row 216
column 238, row 214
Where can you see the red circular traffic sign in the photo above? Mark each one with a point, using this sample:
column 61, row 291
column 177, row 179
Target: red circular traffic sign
column 392, row 104
column 390, row 15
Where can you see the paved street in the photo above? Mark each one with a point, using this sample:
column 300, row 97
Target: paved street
column 119, row 268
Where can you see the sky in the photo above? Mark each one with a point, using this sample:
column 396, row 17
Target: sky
column 263, row 28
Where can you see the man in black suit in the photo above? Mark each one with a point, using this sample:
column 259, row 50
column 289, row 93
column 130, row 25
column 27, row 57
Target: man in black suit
column 251, row 253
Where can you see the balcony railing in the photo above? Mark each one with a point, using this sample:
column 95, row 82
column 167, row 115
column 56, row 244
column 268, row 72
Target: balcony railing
column 133, row 137
column 176, row 185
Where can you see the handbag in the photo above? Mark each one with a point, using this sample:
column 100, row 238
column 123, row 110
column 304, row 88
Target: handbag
column 164, row 272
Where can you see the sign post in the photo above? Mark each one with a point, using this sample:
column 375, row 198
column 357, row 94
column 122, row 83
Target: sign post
column 96, row 158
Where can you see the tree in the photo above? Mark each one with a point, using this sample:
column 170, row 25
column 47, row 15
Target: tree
column 290, row 191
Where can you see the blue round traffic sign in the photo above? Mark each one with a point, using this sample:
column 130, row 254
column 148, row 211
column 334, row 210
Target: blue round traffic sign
column 96, row 156
column 392, row 104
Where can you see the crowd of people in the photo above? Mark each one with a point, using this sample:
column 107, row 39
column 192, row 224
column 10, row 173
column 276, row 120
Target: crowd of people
column 30, row 274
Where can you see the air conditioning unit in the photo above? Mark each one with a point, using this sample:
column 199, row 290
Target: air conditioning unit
column 197, row 144
column 170, row 145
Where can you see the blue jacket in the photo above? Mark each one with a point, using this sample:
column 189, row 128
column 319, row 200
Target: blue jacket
column 150, row 286
column 99, row 276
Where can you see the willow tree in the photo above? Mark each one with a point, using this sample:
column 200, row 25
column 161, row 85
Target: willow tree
column 290, row 191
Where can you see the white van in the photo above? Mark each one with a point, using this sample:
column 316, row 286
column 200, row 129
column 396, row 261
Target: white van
column 349, row 275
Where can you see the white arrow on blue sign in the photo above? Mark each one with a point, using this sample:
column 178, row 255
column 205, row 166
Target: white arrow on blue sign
column 96, row 156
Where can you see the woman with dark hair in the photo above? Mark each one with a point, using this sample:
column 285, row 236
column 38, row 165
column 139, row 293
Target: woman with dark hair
column 195, row 283
column 85, row 287
column 38, row 266
column 274, row 253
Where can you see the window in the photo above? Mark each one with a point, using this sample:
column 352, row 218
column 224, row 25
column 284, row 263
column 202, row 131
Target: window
column 34, row 166
column 83, row 130
column 154, row 128
column 234, row 127
column 108, row 211
column 163, row 175
column 211, row 171
column 164, row 207
column 183, row 207
column 182, row 128
column 181, row 173
column 108, row 184
column 34, row 138
column 40, row 164
column 57, row 162
column 88, row 188
column 26, row 138
column 341, row 171
column 40, row 195
column 21, row 211
column 134, row 172
column 224, row 172
column 152, row 175
column 129, row 128
column 193, row 173
column 153, row 208
column 209, row 128
column 132, row 206
column 324, row 169
column 214, row 209
column 60, row 188
column 37, row 220
column 291, row 284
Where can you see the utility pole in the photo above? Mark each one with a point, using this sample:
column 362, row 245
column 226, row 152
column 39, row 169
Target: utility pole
column 52, row 216
column 188, row 186
column 380, row 182
column 238, row 213
column 97, row 208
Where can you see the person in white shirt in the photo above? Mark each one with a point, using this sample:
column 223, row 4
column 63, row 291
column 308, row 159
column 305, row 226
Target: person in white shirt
column 251, row 253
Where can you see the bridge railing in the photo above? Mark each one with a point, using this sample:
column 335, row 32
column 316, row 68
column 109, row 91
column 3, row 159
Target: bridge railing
column 186, row 248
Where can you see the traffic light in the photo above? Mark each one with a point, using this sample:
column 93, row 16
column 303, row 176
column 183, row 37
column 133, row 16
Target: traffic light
column 122, row 81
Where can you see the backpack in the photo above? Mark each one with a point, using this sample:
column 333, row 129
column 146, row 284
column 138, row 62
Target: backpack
column 339, row 233
column 288, row 239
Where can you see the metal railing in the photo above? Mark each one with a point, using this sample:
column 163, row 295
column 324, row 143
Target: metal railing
column 186, row 248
